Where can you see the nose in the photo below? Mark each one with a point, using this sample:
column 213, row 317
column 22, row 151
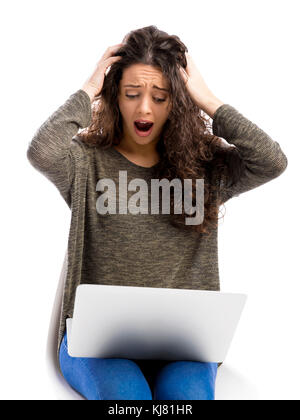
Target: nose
column 144, row 106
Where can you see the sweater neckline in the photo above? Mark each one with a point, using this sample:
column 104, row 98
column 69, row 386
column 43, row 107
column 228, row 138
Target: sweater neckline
column 129, row 162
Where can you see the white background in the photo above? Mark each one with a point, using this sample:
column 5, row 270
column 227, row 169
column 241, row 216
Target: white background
column 247, row 52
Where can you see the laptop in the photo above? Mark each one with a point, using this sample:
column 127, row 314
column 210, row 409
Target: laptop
column 153, row 323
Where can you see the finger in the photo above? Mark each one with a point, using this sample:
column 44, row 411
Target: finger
column 111, row 50
column 116, row 47
column 112, row 59
column 110, row 62
column 107, row 61
column 184, row 75
column 113, row 47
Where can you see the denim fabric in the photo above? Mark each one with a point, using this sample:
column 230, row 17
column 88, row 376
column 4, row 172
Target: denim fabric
column 124, row 379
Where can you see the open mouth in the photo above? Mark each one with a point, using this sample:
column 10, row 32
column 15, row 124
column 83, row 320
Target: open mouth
column 143, row 129
column 143, row 126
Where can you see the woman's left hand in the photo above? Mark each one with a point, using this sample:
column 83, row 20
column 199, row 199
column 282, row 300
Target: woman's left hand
column 198, row 89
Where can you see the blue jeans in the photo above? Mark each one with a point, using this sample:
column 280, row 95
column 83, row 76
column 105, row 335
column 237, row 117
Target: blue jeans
column 124, row 379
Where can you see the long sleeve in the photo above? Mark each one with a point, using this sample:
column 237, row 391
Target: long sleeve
column 52, row 150
column 264, row 160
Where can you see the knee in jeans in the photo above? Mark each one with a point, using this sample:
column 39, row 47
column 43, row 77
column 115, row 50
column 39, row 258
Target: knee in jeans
column 128, row 383
column 185, row 381
column 179, row 392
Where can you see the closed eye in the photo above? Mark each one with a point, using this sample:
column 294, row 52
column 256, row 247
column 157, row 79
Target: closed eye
column 136, row 96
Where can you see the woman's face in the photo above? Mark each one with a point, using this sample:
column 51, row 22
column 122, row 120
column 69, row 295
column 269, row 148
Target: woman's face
column 143, row 94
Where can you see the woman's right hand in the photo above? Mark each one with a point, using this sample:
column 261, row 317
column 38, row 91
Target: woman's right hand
column 94, row 83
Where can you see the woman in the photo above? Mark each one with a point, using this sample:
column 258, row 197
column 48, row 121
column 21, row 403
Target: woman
column 145, row 117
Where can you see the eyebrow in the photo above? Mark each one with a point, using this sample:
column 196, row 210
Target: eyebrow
column 154, row 87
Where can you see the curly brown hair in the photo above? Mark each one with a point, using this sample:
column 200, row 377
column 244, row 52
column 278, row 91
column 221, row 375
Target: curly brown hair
column 187, row 147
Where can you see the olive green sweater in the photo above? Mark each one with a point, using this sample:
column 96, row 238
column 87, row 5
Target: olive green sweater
column 136, row 249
